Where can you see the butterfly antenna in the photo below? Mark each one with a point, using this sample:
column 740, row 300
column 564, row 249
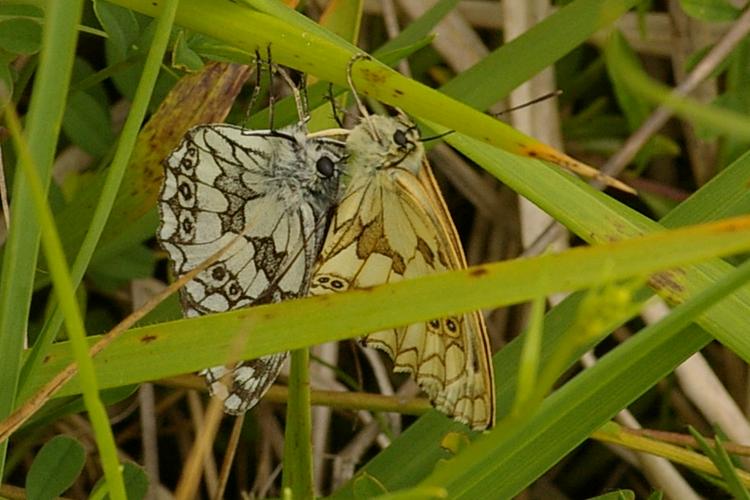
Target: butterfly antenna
column 436, row 137
column 541, row 98
column 360, row 105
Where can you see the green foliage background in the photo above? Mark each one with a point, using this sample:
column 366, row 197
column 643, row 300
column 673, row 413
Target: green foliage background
column 106, row 218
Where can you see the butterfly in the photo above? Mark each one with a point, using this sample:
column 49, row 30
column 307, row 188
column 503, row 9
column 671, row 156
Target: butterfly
column 391, row 223
column 267, row 195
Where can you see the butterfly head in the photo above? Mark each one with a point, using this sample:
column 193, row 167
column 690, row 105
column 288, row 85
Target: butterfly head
column 324, row 158
column 384, row 142
column 307, row 167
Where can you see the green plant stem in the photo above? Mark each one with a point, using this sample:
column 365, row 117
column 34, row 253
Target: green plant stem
column 298, row 475
column 114, row 178
column 22, row 246
column 613, row 433
column 65, row 292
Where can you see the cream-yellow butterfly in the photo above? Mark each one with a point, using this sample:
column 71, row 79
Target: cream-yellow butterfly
column 391, row 223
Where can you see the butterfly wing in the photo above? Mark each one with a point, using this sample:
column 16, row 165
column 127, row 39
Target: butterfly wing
column 391, row 225
column 259, row 192
column 469, row 388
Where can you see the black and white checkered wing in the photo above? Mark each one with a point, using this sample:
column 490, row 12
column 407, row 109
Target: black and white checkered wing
column 267, row 194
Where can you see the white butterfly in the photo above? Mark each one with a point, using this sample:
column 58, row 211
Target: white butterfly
column 391, row 223
column 273, row 187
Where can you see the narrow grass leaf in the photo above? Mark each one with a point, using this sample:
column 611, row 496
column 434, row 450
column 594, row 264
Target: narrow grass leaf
column 22, row 245
column 718, row 119
column 718, row 455
column 343, row 17
column 170, row 348
column 613, row 433
column 108, row 190
column 597, row 218
column 65, row 292
column 417, row 30
column 539, row 47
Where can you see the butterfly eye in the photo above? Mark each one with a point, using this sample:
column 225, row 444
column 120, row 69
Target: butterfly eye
column 325, row 166
column 399, row 137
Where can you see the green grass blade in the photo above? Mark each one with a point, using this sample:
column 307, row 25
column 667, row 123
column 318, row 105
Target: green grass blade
column 66, row 296
column 597, row 218
column 188, row 345
column 613, row 433
column 418, row 29
column 112, row 182
column 298, row 469
column 720, row 458
column 343, row 18
column 729, row 122
column 487, row 461
column 22, row 246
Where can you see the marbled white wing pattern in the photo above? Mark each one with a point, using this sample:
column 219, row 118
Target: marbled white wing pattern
column 391, row 224
column 275, row 188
